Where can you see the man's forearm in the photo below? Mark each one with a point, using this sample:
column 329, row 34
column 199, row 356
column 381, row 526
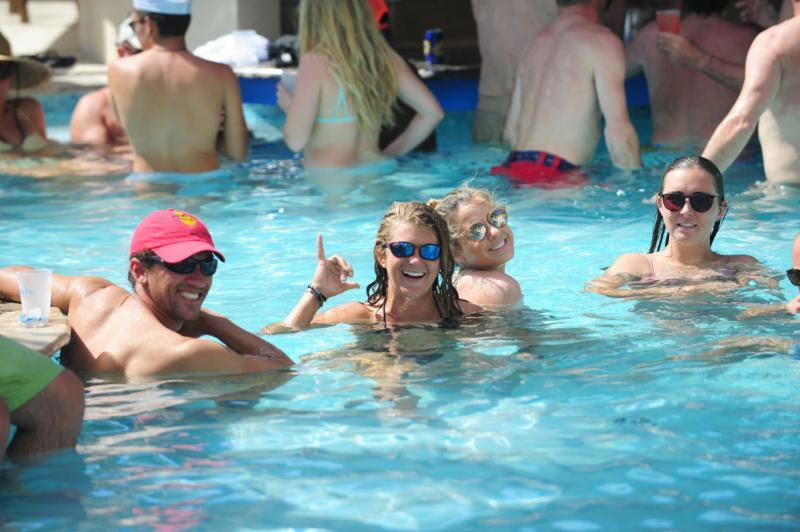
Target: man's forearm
column 729, row 74
column 239, row 340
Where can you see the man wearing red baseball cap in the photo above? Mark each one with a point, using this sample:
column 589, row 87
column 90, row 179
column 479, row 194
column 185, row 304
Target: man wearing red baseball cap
column 157, row 328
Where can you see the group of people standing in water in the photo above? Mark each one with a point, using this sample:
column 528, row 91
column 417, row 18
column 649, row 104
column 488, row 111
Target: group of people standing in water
column 433, row 261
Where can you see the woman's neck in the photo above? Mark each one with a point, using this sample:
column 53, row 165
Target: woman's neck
column 689, row 255
column 402, row 309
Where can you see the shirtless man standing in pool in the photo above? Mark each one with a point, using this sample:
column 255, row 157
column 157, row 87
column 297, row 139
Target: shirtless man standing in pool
column 571, row 75
column 179, row 110
column 770, row 97
column 157, row 328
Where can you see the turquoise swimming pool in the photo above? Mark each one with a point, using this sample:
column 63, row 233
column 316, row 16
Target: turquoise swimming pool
column 577, row 412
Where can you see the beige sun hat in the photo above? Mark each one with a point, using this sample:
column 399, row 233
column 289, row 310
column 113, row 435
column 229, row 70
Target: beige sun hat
column 30, row 73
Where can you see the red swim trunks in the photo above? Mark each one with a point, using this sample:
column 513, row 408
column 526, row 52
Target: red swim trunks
column 539, row 167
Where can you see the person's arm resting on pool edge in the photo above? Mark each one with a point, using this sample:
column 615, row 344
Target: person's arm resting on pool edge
column 762, row 81
column 64, row 290
column 330, row 279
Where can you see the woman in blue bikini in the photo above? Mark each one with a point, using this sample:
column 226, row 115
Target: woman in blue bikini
column 347, row 80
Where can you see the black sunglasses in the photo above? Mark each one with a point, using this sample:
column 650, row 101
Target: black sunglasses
column 793, row 274
column 208, row 267
column 497, row 218
column 402, row 250
column 700, row 201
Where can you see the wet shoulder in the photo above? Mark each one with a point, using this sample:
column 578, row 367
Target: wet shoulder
column 352, row 312
column 631, row 264
column 741, row 259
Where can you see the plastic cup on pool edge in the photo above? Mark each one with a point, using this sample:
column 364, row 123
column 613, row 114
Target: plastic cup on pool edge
column 669, row 20
column 34, row 294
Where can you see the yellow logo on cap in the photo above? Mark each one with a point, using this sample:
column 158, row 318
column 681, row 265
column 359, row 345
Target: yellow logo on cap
column 186, row 218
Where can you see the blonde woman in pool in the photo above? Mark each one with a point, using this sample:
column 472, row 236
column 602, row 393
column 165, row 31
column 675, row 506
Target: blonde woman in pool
column 347, row 81
column 690, row 207
column 482, row 244
column 413, row 272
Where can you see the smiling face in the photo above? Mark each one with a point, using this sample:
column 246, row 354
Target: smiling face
column 410, row 277
column 179, row 297
column 490, row 253
column 687, row 226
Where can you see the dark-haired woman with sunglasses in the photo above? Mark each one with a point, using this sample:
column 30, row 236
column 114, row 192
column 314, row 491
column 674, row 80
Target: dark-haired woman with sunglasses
column 482, row 244
column 413, row 269
column 690, row 207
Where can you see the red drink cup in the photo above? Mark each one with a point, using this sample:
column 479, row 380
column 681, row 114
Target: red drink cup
column 669, row 20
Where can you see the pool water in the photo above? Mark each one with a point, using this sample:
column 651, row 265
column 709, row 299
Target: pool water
column 577, row 412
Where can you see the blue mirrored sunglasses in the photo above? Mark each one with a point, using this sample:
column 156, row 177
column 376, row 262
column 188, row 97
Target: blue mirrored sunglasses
column 406, row 249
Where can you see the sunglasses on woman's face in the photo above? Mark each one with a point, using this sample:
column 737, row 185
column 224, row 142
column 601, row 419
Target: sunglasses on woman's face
column 497, row 218
column 700, row 201
column 403, row 250
column 794, row 276
column 208, row 267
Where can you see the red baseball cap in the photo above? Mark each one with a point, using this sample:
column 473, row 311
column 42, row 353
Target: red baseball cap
column 173, row 235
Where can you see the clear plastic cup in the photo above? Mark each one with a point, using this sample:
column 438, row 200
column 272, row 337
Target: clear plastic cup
column 34, row 294
column 669, row 20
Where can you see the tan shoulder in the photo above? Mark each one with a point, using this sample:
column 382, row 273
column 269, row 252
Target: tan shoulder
column 468, row 307
column 630, row 264
column 352, row 312
column 488, row 288
column 741, row 259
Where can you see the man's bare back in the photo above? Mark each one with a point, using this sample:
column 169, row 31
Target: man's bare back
column 687, row 103
column 570, row 76
column 770, row 97
column 178, row 110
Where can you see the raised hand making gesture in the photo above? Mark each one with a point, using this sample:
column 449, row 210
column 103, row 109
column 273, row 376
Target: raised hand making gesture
column 330, row 279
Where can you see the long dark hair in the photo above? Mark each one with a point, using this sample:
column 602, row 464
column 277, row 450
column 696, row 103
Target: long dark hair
column 689, row 161
column 417, row 214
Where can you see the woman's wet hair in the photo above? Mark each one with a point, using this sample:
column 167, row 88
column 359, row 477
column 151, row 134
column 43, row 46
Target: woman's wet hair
column 419, row 215
column 168, row 25
column 344, row 32
column 660, row 234
column 452, row 201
